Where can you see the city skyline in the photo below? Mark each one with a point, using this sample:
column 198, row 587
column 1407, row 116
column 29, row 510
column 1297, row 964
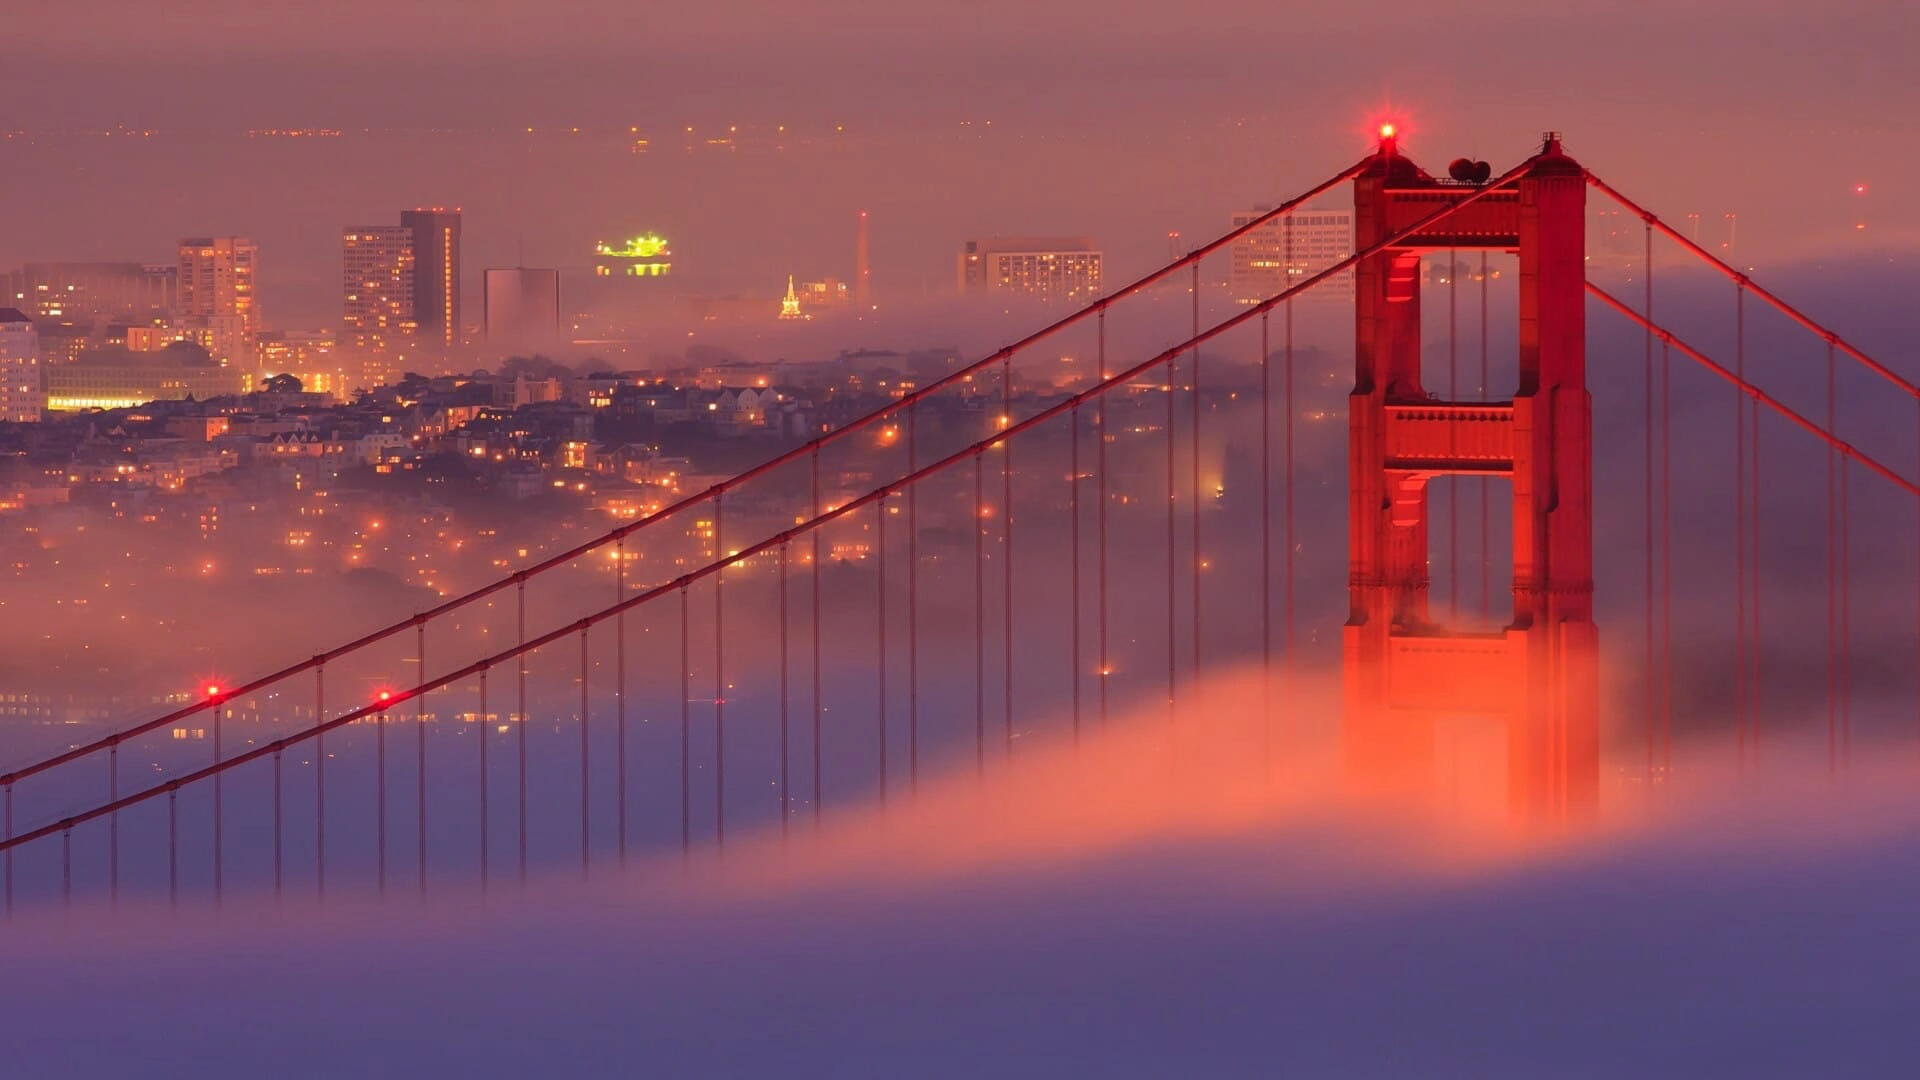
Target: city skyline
column 549, row 195
column 1006, row 538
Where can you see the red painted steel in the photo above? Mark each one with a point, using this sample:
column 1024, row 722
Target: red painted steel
column 1539, row 676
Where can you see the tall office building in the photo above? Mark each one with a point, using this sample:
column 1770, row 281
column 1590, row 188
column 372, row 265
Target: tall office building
column 378, row 292
column 1045, row 267
column 436, row 274
column 1288, row 250
column 215, row 292
column 22, row 395
column 521, row 309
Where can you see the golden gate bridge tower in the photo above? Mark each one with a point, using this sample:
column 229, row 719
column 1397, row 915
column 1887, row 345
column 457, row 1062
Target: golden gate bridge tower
column 1406, row 676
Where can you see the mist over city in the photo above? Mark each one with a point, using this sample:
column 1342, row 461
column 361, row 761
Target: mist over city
column 876, row 539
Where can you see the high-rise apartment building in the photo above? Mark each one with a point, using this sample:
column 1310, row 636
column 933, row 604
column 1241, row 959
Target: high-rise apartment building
column 1288, row 250
column 521, row 308
column 401, row 290
column 1045, row 267
column 436, row 274
column 378, row 290
column 22, row 394
column 215, row 292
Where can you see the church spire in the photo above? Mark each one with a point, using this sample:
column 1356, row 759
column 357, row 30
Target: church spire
column 790, row 304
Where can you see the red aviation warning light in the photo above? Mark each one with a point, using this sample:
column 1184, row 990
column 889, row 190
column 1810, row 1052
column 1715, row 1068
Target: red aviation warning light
column 213, row 690
column 1387, row 130
column 384, row 696
column 1386, row 123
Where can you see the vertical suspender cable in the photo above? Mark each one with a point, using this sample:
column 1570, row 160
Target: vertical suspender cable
column 1266, row 546
column 1006, row 592
column 278, row 830
column 1740, row 524
column 219, row 846
column 913, row 604
column 520, row 592
column 1286, row 453
column 880, row 639
column 380, row 799
column 1666, row 559
column 486, row 725
column 113, row 822
column 1647, row 406
column 1006, row 541
column 319, row 781
column 1100, row 510
column 719, row 682
column 979, row 620
column 586, row 755
column 1846, row 618
column 620, row 691
column 173, row 847
column 1173, row 647
column 686, row 738
column 420, row 758
column 814, row 598
column 1073, row 544
column 1833, row 570
column 1193, row 478
column 1754, row 650
column 786, row 763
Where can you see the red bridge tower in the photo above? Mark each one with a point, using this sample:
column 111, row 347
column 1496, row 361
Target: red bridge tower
column 1411, row 684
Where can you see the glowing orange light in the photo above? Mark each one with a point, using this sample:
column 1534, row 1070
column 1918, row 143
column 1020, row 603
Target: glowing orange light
column 386, row 695
column 213, row 691
column 1859, row 189
column 1386, row 131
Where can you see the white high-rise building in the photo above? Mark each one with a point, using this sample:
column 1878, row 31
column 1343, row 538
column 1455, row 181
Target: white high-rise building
column 1288, row 250
column 214, row 293
column 22, row 394
column 1045, row 267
